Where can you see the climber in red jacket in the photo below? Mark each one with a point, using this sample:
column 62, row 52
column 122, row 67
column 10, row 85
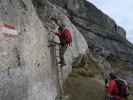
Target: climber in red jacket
column 65, row 40
column 112, row 88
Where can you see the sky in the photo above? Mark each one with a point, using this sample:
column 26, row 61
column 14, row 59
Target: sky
column 121, row 11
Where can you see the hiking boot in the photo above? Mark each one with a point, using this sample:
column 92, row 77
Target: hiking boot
column 62, row 63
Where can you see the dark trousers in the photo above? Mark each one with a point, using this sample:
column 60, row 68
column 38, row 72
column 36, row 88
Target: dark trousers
column 63, row 49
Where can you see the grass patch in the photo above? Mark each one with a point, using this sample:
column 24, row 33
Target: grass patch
column 83, row 89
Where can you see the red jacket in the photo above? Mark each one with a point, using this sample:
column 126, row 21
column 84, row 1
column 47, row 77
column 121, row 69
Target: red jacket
column 112, row 89
column 65, row 35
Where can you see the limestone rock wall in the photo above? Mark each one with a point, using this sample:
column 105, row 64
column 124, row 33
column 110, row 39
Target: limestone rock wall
column 28, row 69
column 28, row 65
column 99, row 30
column 25, row 63
column 47, row 12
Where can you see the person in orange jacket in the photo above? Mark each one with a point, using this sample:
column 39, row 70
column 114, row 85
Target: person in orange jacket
column 112, row 88
column 65, row 38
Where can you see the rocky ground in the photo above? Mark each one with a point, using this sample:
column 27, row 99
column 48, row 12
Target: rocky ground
column 28, row 66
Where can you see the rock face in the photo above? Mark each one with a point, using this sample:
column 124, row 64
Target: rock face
column 100, row 32
column 28, row 62
column 26, row 72
column 28, row 69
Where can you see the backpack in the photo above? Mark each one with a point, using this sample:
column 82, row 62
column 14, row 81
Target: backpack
column 122, row 87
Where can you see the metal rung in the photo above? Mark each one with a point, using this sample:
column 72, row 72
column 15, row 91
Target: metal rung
column 57, row 49
column 54, row 42
column 57, row 59
column 60, row 72
column 51, row 45
column 57, row 52
column 57, row 56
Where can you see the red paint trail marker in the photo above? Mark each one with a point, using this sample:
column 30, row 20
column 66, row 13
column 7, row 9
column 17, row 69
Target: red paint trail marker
column 8, row 30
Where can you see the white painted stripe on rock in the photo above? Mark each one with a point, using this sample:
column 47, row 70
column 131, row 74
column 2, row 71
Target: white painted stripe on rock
column 5, row 30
